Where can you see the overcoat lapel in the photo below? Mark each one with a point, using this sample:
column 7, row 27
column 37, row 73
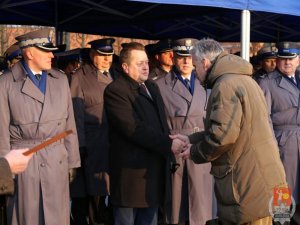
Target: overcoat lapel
column 178, row 87
column 194, row 107
column 28, row 87
column 31, row 90
column 285, row 84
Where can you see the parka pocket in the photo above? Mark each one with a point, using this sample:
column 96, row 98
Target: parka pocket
column 224, row 188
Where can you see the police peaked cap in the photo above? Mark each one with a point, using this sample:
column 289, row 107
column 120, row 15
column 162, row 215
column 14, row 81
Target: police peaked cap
column 103, row 46
column 267, row 52
column 163, row 46
column 13, row 52
column 184, row 46
column 39, row 38
column 288, row 50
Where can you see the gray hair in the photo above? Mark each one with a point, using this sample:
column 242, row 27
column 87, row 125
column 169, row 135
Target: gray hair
column 207, row 48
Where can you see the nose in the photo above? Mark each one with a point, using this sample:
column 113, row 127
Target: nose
column 51, row 55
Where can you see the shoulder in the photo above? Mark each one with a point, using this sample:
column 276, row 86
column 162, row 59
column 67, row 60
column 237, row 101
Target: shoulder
column 271, row 79
column 164, row 79
column 118, row 85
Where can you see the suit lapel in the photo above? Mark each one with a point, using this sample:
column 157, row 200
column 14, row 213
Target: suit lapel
column 157, row 100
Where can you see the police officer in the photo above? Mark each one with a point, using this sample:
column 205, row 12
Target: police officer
column 267, row 60
column 91, row 186
column 163, row 54
column 281, row 89
column 12, row 55
column 37, row 105
column 185, row 99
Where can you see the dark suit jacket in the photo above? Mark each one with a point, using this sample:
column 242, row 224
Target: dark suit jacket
column 139, row 143
column 6, row 178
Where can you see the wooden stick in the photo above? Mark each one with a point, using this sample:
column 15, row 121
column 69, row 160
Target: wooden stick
column 48, row 142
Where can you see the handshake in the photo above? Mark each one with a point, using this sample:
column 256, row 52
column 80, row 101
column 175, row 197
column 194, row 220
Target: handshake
column 181, row 145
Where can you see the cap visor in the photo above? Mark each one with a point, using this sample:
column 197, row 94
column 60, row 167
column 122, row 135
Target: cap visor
column 47, row 48
column 287, row 56
column 183, row 53
column 105, row 53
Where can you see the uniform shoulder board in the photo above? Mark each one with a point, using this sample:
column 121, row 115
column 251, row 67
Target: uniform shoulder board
column 58, row 70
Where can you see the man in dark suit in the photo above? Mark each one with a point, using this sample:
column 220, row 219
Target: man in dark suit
column 139, row 141
column 13, row 162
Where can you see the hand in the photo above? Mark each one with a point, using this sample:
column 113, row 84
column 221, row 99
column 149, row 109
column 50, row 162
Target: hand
column 17, row 161
column 177, row 146
column 186, row 154
column 72, row 174
column 181, row 137
column 104, row 176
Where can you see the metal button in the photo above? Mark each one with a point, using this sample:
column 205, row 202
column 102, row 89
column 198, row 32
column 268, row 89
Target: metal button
column 42, row 164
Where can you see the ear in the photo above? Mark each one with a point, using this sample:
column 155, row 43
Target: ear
column 125, row 68
column 206, row 64
column 28, row 53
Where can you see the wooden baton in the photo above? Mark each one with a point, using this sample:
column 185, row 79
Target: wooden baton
column 48, row 142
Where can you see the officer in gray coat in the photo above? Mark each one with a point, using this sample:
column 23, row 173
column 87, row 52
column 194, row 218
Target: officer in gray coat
column 91, row 186
column 267, row 61
column 185, row 100
column 281, row 89
column 36, row 105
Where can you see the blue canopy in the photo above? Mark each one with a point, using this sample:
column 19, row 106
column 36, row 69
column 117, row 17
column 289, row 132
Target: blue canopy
column 290, row 7
column 156, row 21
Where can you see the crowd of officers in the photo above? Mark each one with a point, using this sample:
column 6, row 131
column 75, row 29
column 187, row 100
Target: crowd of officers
column 190, row 198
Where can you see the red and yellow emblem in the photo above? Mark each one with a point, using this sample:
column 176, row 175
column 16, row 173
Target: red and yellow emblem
column 282, row 195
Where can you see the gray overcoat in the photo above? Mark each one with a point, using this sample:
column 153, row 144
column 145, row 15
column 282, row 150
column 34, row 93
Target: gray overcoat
column 191, row 200
column 284, row 104
column 87, row 91
column 27, row 118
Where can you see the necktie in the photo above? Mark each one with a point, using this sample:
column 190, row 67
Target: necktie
column 187, row 84
column 293, row 79
column 38, row 76
column 105, row 73
column 144, row 90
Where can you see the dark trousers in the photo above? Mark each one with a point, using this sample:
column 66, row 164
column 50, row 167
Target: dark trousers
column 91, row 211
column 2, row 211
column 135, row 216
column 79, row 211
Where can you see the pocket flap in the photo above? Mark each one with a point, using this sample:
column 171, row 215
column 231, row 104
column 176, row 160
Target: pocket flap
column 220, row 171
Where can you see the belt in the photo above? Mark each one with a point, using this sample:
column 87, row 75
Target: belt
column 31, row 143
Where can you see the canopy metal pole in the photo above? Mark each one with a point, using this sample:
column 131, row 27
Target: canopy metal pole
column 245, row 34
column 58, row 34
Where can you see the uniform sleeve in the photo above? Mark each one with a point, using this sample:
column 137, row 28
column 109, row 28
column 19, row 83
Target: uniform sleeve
column 4, row 117
column 71, row 141
column 223, row 127
column 6, row 178
column 78, row 105
column 266, row 90
column 122, row 117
